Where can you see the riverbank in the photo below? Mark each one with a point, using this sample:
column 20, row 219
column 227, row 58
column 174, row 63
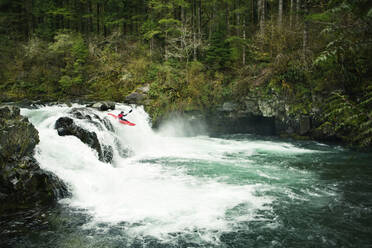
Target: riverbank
column 23, row 185
column 168, row 190
column 263, row 115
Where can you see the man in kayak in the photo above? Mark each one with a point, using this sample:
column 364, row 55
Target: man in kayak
column 122, row 115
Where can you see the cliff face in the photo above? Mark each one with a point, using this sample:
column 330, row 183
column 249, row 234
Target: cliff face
column 271, row 115
column 22, row 183
column 261, row 114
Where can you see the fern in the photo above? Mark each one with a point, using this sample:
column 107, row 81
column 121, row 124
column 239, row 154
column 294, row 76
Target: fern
column 351, row 119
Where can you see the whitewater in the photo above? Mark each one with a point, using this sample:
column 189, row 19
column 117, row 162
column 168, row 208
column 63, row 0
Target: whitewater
column 165, row 185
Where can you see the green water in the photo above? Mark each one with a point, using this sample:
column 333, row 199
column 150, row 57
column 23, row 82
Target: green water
column 315, row 196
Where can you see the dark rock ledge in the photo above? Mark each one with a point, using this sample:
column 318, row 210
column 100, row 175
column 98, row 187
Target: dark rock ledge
column 23, row 184
column 66, row 126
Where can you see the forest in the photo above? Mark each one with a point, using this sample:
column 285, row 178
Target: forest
column 194, row 54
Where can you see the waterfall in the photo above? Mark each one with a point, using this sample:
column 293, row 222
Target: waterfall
column 145, row 186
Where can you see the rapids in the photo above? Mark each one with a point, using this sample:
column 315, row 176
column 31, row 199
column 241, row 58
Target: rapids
column 167, row 190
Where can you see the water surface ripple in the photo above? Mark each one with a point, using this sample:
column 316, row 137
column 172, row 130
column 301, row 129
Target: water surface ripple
column 173, row 191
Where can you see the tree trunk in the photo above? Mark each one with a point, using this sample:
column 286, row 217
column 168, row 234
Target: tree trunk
column 272, row 37
column 183, row 15
column 194, row 46
column 238, row 20
column 259, row 11
column 29, row 16
column 211, row 22
column 280, row 17
column 90, row 20
column 103, row 21
column 291, row 15
column 199, row 19
column 253, row 12
column 98, row 19
column 76, row 21
column 298, row 11
column 305, row 34
column 227, row 19
column 194, row 25
column 262, row 16
column 166, row 46
column 151, row 45
column 244, row 37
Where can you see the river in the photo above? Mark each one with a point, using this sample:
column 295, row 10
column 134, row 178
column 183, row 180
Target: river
column 167, row 189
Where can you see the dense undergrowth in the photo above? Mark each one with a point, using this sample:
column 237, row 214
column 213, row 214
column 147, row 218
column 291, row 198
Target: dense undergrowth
column 331, row 72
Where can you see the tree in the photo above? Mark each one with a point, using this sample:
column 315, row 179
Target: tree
column 280, row 14
column 218, row 55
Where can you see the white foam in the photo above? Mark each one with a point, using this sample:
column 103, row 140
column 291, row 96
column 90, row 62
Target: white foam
column 157, row 200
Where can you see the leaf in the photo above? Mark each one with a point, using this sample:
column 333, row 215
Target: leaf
column 323, row 17
column 149, row 35
column 369, row 13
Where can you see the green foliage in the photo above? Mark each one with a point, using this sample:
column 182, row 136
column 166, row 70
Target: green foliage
column 218, row 54
column 323, row 17
column 191, row 54
column 344, row 61
column 352, row 119
column 74, row 52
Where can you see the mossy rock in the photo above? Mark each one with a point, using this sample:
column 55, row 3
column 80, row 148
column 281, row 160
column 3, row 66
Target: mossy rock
column 18, row 137
column 23, row 184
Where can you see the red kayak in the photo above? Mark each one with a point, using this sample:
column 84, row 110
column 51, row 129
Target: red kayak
column 121, row 121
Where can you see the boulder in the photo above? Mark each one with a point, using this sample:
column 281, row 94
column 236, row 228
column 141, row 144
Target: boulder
column 23, row 184
column 18, row 137
column 9, row 112
column 135, row 98
column 228, row 107
column 104, row 106
column 110, row 105
column 251, row 106
column 267, row 108
column 66, row 126
column 86, row 114
column 144, row 89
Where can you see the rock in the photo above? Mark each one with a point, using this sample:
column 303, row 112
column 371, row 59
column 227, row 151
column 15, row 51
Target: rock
column 222, row 122
column 78, row 115
column 66, row 126
column 110, row 105
column 305, row 125
column 108, row 124
column 251, row 106
column 266, row 108
column 228, row 107
column 25, row 185
column 103, row 106
column 9, row 112
column 18, row 136
column 86, row 114
column 100, row 106
column 108, row 154
column 145, row 89
column 22, row 183
column 135, row 98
